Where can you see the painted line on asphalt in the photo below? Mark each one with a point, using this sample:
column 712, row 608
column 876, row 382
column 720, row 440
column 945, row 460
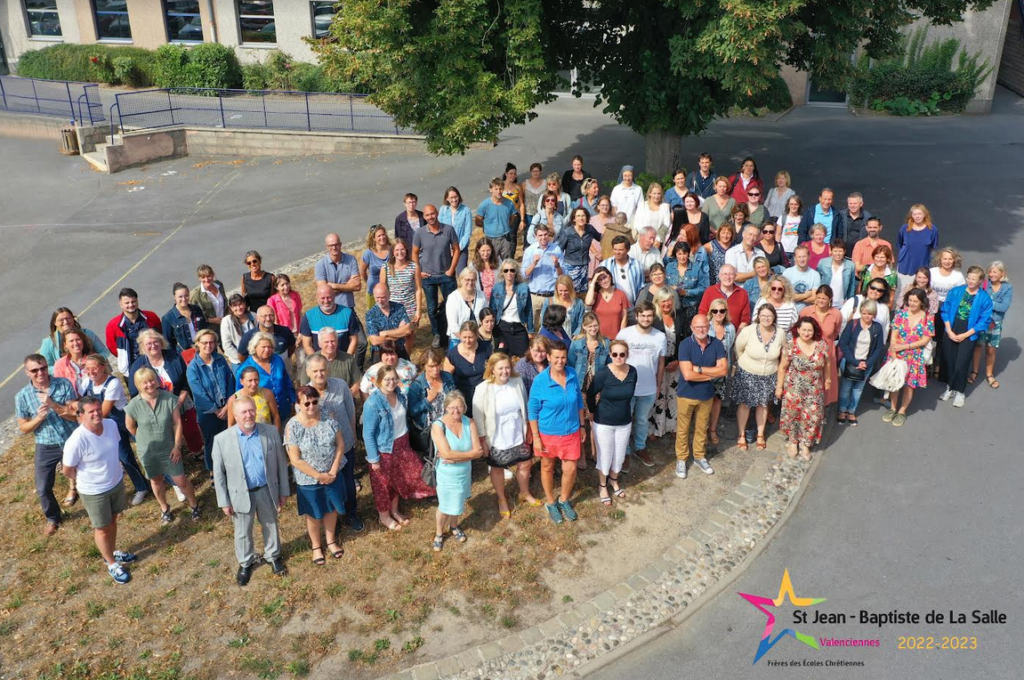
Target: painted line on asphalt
column 214, row 190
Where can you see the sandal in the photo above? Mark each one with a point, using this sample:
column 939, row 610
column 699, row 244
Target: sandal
column 791, row 451
column 841, row 417
column 404, row 521
column 852, row 421
column 992, row 382
column 606, row 499
column 336, row 554
column 535, row 503
column 741, row 444
column 761, row 443
column 438, row 543
column 319, row 561
column 972, row 377
column 459, row 534
column 616, row 489
column 805, row 455
column 391, row 525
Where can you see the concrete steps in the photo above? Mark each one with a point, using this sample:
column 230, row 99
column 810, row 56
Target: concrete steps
column 98, row 157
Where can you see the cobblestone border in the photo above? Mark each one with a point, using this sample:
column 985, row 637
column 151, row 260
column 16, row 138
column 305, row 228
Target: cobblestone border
column 665, row 593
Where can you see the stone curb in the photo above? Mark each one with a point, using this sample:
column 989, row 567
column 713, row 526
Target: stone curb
column 657, row 598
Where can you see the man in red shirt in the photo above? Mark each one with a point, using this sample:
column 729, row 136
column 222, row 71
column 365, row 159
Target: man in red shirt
column 735, row 297
column 862, row 251
column 123, row 330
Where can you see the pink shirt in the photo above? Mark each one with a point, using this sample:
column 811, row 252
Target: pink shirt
column 285, row 317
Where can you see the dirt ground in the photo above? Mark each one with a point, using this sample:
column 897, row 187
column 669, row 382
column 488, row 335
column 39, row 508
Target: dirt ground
column 388, row 604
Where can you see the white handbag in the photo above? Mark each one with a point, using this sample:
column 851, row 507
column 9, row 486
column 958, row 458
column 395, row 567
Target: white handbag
column 892, row 376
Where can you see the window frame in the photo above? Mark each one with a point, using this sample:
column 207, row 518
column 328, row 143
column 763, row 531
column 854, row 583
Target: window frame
column 313, row 4
column 167, row 24
column 59, row 37
column 261, row 17
column 96, row 23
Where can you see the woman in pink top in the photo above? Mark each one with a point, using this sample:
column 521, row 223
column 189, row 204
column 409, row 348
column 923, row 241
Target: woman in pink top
column 287, row 304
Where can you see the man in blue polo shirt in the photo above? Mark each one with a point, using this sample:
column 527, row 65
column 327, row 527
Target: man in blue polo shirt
column 340, row 271
column 701, row 360
column 819, row 213
column 495, row 217
column 328, row 314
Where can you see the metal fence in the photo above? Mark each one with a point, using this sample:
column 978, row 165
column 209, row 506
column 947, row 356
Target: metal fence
column 72, row 101
column 269, row 109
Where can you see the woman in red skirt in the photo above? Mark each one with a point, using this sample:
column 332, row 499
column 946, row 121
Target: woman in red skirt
column 394, row 467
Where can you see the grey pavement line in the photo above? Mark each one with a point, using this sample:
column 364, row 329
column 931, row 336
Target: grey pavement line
column 651, row 602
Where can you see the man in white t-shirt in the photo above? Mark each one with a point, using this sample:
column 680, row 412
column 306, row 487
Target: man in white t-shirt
column 90, row 458
column 647, row 356
column 743, row 254
column 644, row 250
column 805, row 280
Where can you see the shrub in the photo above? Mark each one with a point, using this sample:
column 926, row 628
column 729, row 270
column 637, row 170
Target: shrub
column 212, row 65
column 171, row 61
column 921, row 80
column 255, row 77
column 134, row 66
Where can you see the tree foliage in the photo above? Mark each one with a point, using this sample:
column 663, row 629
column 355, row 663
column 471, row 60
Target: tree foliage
column 461, row 71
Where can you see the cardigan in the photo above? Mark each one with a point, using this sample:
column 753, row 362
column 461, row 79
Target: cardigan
column 483, row 405
column 751, row 354
column 848, row 343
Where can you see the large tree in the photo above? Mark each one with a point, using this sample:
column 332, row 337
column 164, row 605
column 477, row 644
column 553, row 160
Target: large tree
column 461, row 71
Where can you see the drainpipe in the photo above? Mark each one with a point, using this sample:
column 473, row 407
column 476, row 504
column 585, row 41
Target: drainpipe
column 213, row 20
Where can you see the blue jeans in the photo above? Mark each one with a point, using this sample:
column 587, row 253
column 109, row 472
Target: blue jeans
column 348, row 475
column 210, row 425
column 849, row 394
column 434, row 287
column 641, row 407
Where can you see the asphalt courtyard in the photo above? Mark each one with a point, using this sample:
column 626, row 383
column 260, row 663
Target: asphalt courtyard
column 916, row 519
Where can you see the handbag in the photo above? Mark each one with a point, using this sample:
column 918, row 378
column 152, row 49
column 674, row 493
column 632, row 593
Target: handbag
column 928, row 353
column 429, row 472
column 892, row 376
column 851, row 372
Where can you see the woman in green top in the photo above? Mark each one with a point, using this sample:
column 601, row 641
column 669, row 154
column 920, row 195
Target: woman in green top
column 719, row 207
column 154, row 418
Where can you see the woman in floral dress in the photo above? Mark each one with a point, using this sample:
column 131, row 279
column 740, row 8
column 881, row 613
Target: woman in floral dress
column 912, row 329
column 805, row 373
column 831, row 321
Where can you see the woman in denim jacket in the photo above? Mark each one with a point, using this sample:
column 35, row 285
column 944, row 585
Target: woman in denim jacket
column 688, row 273
column 514, row 317
column 394, row 467
column 212, row 384
column 183, row 321
column 1001, row 292
column 588, row 353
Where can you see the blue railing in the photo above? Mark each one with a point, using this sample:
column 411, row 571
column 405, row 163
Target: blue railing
column 266, row 109
column 69, row 100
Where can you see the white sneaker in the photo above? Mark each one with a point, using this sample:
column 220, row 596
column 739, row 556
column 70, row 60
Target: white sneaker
column 681, row 469
column 959, row 399
column 947, row 394
column 139, row 497
column 179, row 494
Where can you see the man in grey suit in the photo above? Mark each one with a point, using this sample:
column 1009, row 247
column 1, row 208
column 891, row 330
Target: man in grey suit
column 250, row 473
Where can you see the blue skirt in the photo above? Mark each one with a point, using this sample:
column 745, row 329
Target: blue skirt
column 316, row 500
column 453, row 486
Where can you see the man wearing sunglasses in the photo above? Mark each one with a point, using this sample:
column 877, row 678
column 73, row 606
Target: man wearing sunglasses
column 702, row 359
column 46, row 408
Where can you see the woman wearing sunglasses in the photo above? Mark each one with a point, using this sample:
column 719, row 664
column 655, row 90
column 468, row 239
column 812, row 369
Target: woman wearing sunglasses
column 722, row 329
column 779, row 295
column 257, row 285
column 608, row 399
column 513, row 308
column 772, row 247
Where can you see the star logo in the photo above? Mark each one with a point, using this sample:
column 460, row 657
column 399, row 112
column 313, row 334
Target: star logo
column 785, row 589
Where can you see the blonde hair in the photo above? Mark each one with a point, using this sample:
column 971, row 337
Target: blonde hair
column 566, row 281
column 493, row 361
column 662, row 295
column 143, row 374
column 203, row 333
column 783, row 173
column 621, row 343
column 259, row 337
column 371, row 242
column 151, row 333
column 958, row 260
column 927, row 215
column 998, row 264
column 652, row 187
column 452, row 396
column 787, row 295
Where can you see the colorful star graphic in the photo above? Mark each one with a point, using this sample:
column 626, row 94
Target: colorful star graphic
column 785, row 588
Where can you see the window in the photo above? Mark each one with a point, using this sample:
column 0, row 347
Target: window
column 112, row 20
column 323, row 14
column 183, row 21
column 43, row 20
column 256, row 20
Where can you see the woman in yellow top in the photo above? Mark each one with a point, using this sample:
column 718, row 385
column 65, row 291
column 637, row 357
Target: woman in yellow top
column 513, row 191
column 266, row 403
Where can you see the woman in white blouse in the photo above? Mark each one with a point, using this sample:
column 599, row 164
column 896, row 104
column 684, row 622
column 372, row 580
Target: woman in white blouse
column 465, row 304
column 627, row 196
column 499, row 410
column 654, row 213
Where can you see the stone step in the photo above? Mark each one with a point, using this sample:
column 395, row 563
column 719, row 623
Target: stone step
column 97, row 158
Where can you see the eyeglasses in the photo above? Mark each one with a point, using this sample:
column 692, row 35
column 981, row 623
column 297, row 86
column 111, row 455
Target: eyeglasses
column 252, row 262
column 551, row 200
column 508, row 271
column 719, row 311
column 619, row 355
column 753, row 193
column 876, row 289
column 333, row 245
column 767, row 231
column 33, row 371
column 777, row 289
column 311, row 402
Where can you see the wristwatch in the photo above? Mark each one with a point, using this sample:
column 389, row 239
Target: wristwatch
column 698, row 369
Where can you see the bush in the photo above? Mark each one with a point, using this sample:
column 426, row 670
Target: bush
column 921, row 81
column 212, row 65
column 171, row 61
column 114, row 65
column 255, row 77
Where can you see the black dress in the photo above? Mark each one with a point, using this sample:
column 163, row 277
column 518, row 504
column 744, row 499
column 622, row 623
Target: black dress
column 258, row 292
column 468, row 375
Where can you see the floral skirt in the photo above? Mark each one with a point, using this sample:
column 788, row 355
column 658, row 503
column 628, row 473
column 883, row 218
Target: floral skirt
column 578, row 274
column 753, row 390
column 662, row 420
column 399, row 476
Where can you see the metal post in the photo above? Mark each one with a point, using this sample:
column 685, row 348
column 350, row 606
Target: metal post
column 71, row 104
column 220, row 100
column 170, row 107
column 36, row 97
column 3, row 93
column 309, row 124
column 263, row 98
column 351, row 113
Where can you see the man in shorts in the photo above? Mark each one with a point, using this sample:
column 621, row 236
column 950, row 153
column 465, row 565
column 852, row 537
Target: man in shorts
column 91, row 459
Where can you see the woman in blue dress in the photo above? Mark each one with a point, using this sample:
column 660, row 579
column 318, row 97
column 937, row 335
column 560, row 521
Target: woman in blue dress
column 457, row 443
column 716, row 252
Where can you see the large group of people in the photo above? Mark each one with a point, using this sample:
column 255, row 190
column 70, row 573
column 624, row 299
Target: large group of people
column 632, row 314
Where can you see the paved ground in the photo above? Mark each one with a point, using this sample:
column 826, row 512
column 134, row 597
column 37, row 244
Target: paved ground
column 914, row 519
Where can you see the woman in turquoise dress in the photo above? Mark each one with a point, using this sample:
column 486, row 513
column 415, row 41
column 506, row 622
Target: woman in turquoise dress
column 457, row 443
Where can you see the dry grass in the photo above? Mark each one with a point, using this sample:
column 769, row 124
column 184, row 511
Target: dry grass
column 386, row 604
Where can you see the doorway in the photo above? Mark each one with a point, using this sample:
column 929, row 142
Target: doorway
column 3, row 57
column 822, row 96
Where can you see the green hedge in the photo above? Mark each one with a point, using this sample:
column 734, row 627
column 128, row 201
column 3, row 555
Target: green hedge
column 209, row 65
column 281, row 72
column 132, row 66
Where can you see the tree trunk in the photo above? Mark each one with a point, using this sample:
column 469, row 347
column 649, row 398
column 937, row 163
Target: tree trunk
column 662, row 151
